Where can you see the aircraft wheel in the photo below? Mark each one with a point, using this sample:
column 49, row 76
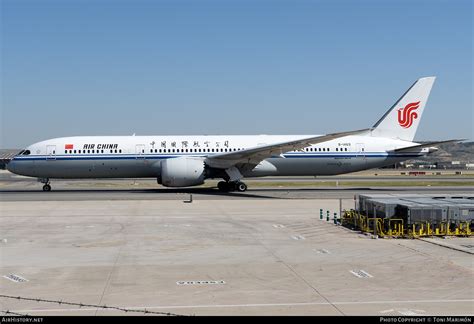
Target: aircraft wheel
column 223, row 186
column 46, row 187
column 241, row 187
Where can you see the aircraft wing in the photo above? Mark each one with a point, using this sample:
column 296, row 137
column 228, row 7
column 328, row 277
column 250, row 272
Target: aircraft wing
column 254, row 155
column 420, row 146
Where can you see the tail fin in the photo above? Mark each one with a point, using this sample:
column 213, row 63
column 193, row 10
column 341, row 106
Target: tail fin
column 403, row 118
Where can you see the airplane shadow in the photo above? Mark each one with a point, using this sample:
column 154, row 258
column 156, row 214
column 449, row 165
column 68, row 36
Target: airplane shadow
column 257, row 193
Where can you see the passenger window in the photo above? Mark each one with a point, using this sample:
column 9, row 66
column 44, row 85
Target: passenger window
column 120, row 151
column 88, row 151
column 116, row 151
column 101, row 151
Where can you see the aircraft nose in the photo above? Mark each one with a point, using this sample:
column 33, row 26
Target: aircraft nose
column 10, row 166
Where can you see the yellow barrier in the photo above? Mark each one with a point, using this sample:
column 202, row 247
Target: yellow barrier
column 396, row 228
column 465, row 229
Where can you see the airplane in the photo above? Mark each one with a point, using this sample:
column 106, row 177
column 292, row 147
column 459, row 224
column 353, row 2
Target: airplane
column 183, row 161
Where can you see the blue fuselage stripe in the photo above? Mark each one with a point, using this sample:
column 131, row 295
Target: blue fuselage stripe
column 166, row 156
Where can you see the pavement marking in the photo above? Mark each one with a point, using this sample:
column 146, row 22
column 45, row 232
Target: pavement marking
column 386, row 311
column 322, row 251
column 15, row 278
column 404, row 311
column 255, row 305
column 361, row 274
column 201, row 282
column 411, row 312
column 278, row 226
column 298, row 237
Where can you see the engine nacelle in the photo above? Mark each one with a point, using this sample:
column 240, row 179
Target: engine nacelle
column 182, row 172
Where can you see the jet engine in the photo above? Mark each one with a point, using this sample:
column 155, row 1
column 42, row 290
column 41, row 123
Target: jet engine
column 182, row 172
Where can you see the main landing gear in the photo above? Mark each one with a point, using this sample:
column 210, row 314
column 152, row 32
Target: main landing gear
column 47, row 186
column 225, row 186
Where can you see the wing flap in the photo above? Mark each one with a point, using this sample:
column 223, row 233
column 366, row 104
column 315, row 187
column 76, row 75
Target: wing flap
column 255, row 155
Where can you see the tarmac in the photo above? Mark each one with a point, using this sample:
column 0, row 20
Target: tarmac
column 263, row 252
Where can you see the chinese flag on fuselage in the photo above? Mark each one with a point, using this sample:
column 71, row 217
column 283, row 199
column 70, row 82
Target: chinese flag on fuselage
column 69, row 147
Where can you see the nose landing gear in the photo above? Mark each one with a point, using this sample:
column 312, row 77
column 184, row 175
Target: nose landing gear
column 47, row 186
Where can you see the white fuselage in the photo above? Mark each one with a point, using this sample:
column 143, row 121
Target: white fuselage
column 141, row 156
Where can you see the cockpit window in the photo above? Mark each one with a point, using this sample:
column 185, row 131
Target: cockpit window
column 24, row 152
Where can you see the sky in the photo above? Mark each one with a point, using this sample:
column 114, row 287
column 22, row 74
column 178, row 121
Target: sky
column 116, row 67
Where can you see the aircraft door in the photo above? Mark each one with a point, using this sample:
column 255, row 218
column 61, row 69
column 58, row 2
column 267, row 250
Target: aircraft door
column 140, row 151
column 50, row 152
column 360, row 153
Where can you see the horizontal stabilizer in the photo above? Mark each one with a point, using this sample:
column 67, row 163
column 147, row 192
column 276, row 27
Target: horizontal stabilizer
column 429, row 144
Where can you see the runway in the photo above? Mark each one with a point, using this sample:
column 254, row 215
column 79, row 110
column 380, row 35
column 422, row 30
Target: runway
column 16, row 188
column 132, row 245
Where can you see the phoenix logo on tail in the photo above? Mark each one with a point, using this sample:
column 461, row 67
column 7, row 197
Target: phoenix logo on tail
column 407, row 115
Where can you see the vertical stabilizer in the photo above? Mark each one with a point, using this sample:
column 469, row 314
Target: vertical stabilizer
column 403, row 118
